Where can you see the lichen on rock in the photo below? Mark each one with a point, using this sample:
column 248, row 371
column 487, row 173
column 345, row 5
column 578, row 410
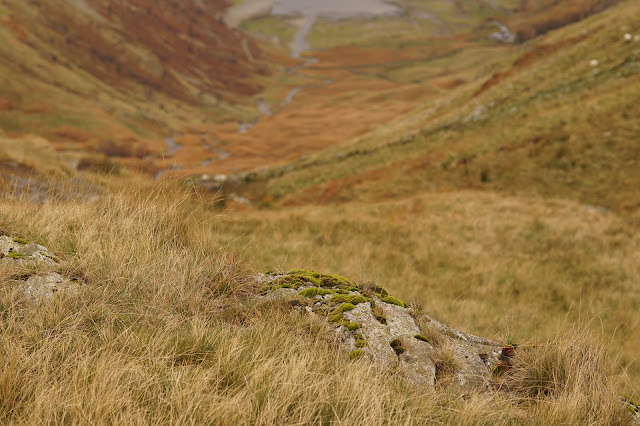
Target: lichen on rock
column 372, row 324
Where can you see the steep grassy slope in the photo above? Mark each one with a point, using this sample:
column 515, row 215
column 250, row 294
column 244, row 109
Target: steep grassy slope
column 547, row 122
column 83, row 73
column 510, row 203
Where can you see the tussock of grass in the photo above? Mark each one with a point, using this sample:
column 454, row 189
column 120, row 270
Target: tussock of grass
column 561, row 373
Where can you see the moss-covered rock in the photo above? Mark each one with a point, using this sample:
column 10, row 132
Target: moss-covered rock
column 321, row 280
column 315, row 291
column 354, row 299
column 394, row 301
column 386, row 331
column 338, row 313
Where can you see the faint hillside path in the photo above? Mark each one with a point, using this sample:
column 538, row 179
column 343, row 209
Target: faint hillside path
column 298, row 46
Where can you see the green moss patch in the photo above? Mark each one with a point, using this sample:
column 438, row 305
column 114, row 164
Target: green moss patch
column 21, row 241
column 360, row 343
column 354, row 299
column 289, row 281
column 351, row 326
column 322, row 280
column 357, row 354
column 15, row 255
column 422, row 338
column 297, row 278
column 338, row 313
column 393, row 301
column 315, row 291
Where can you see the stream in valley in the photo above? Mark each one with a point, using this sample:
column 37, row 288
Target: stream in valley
column 303, row 14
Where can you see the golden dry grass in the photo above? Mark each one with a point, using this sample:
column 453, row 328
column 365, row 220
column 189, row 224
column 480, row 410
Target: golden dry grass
column 493, row 264
column 166, row 330
column 163, row 333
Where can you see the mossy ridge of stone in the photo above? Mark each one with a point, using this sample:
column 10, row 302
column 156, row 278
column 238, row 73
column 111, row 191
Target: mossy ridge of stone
column 21, row 241
column 354, row 299
column 394, row 301
column 372, row 327
column 15, row 255
column 322, row 280
column 357, row 354
column 316, row 291
column 338, row 313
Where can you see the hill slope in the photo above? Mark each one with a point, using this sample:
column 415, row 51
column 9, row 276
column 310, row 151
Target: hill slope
column 508, row 203
column 88, row 72
column 516, row 129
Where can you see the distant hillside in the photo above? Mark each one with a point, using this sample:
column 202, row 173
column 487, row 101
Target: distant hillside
column 83, row 72
column 514, row 127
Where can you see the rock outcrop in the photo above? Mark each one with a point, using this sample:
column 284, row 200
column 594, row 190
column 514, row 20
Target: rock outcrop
column 34, row 268
column 372, row 324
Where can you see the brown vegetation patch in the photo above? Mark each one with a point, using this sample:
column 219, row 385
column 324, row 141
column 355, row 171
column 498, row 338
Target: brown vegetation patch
column 125, row 149
column 72, row 134
column 7, row 104
column 161, row 46
column 534, row 18
column 450, row 83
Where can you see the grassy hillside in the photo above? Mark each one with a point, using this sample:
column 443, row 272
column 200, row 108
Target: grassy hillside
column 518, row 128
column 164, row 332
column 507, row 204
column 89, row 75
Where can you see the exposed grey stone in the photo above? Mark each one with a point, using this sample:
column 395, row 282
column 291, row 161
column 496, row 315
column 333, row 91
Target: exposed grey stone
column 38, row 286
column 397, row 343
column 46, row 286
column 12, row 250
